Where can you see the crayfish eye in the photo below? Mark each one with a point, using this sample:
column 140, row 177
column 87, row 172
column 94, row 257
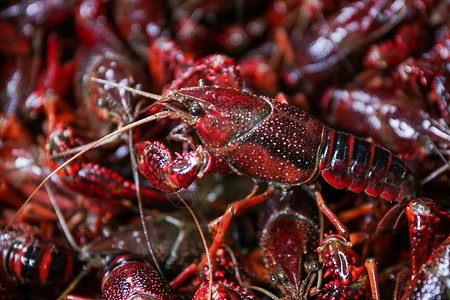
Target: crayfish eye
column 195, row 110
column 312, row 266
column 273, row 278
column 202, row 82
column 101, row 102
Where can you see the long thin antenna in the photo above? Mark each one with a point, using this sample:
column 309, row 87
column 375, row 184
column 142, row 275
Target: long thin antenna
column 107, row 84
column 439, row 170
column 127, row 88
column 71, row 240
column 239, row 278
column 262, row 291
column 74, row 283
column 204, row 244
column 77, row 149
column 139, row 200
column 157, row 116
column 61, row 219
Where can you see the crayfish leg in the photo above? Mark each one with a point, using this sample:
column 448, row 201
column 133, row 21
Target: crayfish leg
column 371, row 267
column 221, row 224
column 183, row 275
column 341, row 228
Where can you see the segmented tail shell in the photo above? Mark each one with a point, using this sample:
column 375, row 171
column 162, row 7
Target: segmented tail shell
column 35, row 259
column 350, row 162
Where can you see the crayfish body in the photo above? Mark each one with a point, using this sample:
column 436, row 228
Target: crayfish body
column 272, row 141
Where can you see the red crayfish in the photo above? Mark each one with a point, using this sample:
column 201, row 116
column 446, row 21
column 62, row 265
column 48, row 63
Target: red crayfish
column 225, row 124
column 267, row 140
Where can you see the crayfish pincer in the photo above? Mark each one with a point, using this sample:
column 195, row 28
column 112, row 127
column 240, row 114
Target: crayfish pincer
column 272, row 141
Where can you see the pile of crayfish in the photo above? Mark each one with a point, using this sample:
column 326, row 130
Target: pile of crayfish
column 275, row 149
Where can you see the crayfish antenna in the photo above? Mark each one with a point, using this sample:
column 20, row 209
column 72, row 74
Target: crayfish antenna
column 262, row 290
column 157, row 116
column 127, row 88
column 205, row 244
column 74, row 283
column 159, row 99
column 134, row 162
column 61, row 219
column 101, row 141
column 241, row 282
column 441, row 169
column 140, row 202
column 71, row 241
column 79, row 149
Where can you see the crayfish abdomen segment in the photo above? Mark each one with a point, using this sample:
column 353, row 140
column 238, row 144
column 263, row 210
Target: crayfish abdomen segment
column 33, row 259
column 350, row 162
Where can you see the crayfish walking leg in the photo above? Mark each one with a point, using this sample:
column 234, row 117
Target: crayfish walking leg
column 221, row 224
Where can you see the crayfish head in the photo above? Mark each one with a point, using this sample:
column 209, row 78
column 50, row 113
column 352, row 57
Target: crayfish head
column 219, row 114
